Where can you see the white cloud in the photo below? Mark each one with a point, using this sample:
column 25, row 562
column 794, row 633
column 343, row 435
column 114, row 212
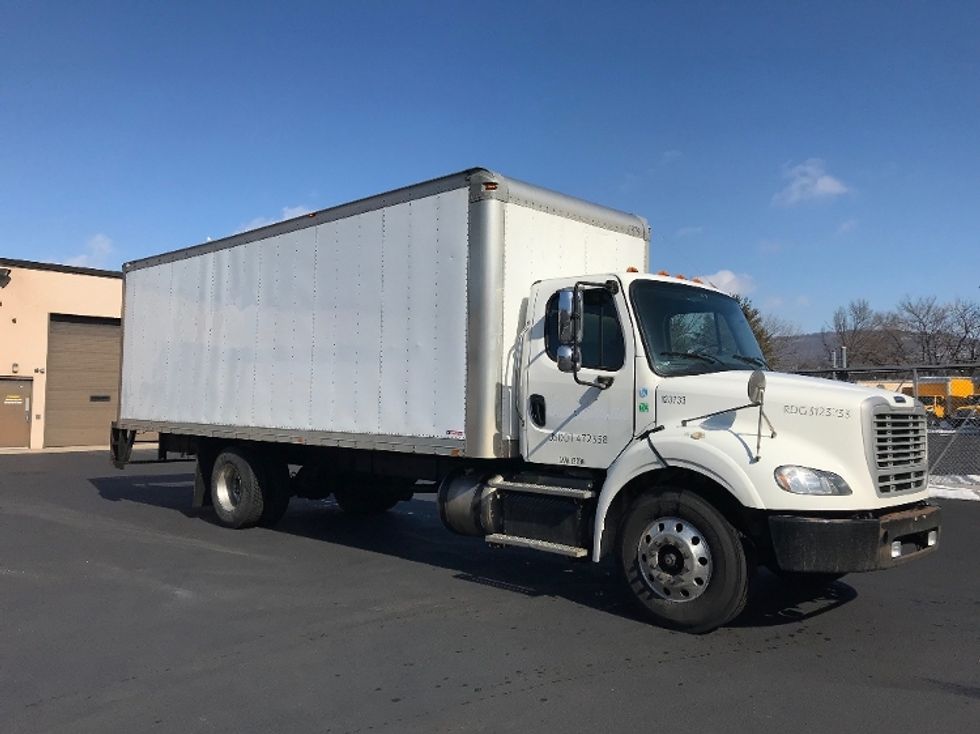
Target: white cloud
column 98, row 247
column 669, row 156
column 688, row 231
column 848, row 225
column 729, row 282
column 291, row 212
column 808, row 181
column 288, row 212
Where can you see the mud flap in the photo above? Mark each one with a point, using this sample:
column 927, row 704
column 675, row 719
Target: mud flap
column 121, row 445
column 203, row 468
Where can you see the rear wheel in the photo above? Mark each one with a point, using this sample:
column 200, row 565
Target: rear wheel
column 247, row 490
column 683, row 561
column 276, row 492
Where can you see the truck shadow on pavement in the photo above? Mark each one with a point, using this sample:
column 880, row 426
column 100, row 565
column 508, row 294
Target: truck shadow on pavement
column 413, row 532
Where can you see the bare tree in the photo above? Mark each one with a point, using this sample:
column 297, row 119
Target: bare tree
column 964, row 325
column 859, row 327
column 781, row 333
column 926, row 322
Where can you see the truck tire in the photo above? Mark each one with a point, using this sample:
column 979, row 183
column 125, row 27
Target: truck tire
column 683, row 561
column 276, row 492
column 239, row 484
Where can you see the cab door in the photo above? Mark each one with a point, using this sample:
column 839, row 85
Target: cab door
column 567, row 423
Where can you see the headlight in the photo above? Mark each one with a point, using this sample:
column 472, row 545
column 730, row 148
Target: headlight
column 803, row 480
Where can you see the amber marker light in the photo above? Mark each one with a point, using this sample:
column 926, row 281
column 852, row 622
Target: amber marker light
column 489, row 185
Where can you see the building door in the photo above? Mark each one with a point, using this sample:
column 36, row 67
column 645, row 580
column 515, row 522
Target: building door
column 15, row 412
column 82, row 393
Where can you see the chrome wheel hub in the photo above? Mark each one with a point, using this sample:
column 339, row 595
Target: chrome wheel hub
column 228, row 488
column 674, row 559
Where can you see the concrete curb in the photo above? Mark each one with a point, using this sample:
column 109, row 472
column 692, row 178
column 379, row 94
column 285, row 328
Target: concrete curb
column 66, row 450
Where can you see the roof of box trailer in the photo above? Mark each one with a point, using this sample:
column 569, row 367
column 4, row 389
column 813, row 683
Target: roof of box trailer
column 492, row 185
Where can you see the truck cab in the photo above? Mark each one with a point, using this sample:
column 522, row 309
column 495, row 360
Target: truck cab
column 703, row 458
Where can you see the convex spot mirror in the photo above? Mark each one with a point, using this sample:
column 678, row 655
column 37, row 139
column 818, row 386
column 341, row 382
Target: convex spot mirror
column 568, row 358
column 757, row 387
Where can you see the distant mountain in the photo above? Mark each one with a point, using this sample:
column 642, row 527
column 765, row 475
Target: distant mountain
column 803, row 351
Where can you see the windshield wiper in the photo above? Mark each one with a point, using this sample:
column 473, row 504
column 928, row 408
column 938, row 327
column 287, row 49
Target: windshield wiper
column 751, row 360
column 695, row 355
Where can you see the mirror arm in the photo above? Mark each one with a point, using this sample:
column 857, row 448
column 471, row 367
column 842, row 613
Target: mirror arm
column 610, row 285
column 719, row 412
column 762, row 414
column 602, row 382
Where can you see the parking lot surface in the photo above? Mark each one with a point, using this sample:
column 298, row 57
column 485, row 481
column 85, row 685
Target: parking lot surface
column 124, row 610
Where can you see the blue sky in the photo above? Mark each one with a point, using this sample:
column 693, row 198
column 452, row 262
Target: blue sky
column 818, row 152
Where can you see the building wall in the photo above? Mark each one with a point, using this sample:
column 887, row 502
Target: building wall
column 25, row 305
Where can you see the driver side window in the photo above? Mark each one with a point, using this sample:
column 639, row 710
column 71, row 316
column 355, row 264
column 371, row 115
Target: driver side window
column 603, row 347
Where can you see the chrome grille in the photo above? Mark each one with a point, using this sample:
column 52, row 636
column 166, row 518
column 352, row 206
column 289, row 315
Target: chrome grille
column 900, row 451
column 904, row 482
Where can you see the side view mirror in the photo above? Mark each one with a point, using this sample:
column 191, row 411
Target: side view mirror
column 571, row 321
column 757, row 387
column 569, row 317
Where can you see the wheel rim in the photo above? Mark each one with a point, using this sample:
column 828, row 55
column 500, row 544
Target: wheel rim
column 674, row 559
column 228, row 488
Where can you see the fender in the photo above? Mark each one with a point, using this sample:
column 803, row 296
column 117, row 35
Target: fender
column 678, row 450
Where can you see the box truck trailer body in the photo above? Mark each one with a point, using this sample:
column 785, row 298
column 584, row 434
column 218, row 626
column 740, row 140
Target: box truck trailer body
column 385, row 323
column 505, row 345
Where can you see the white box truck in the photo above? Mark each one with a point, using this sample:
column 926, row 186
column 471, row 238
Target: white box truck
column 506, row 345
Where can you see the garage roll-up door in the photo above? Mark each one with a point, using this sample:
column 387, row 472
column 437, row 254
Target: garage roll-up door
column 83, row 380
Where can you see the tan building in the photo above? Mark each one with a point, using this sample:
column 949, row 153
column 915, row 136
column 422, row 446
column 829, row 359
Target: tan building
column 59, row 354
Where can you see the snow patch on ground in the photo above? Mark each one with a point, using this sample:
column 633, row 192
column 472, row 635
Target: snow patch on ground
column 955, row 486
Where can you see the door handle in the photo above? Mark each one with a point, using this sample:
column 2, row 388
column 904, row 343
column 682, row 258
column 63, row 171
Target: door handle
column 537, row 410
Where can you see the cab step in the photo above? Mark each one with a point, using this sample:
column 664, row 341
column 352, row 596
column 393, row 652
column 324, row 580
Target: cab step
column 570, row 551
column 513, row 485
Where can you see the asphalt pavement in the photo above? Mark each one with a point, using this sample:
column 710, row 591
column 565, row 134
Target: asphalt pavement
column 124, row 610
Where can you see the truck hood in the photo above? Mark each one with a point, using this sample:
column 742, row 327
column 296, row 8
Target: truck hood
column 817, row 423
column 785, row 393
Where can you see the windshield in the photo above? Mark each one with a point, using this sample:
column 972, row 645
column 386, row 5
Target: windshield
column 688, row 331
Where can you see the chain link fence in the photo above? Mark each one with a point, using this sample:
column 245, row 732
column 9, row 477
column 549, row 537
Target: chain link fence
column 951, row 396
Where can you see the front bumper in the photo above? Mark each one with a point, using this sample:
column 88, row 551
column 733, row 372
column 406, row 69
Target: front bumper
column 845, row 545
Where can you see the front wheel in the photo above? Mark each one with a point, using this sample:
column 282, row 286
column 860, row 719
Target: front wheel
column 683, row 561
